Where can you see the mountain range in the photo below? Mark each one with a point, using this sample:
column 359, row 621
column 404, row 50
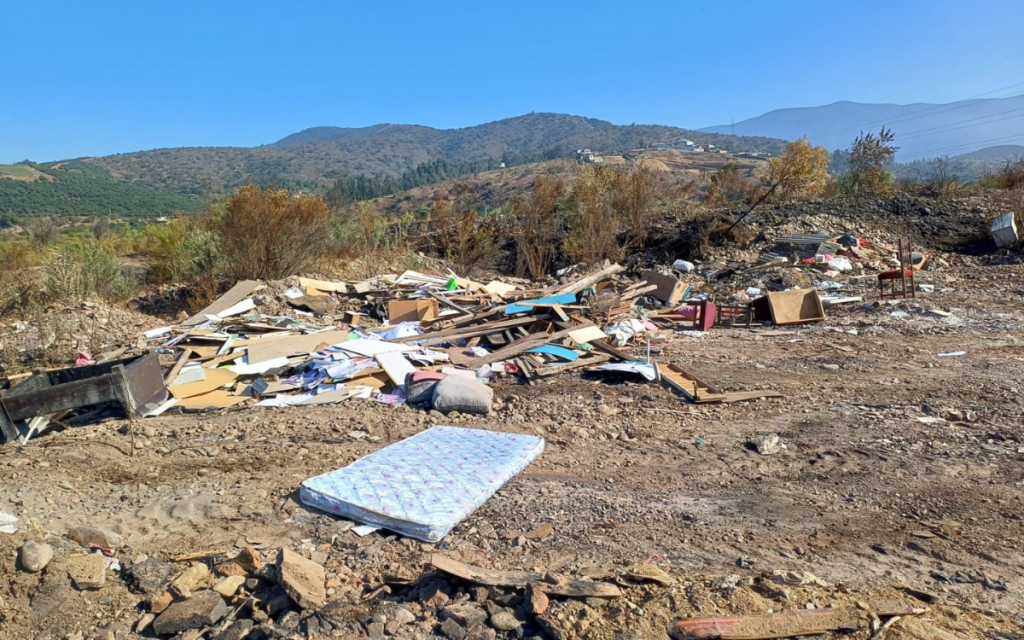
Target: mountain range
column 315, row 157
column 922, row 130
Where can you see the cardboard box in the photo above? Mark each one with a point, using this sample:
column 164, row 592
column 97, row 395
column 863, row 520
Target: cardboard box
column 669, row 289
column 412, row 310
column 798, row 306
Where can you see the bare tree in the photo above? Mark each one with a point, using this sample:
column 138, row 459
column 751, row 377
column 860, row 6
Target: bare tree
column 945, row 177
column 870, row 156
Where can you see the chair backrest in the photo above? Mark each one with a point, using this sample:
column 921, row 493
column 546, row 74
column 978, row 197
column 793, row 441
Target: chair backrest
column 904, row 254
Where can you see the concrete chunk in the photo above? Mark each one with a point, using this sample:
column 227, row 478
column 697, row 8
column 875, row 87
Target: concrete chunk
column 302, row 579
column 204, row 608
column 87, row 572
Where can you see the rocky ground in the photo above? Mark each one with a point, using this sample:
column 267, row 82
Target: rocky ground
column 902, row 470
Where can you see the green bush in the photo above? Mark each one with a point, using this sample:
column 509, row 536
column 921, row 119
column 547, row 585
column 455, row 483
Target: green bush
column 82, row 268
column 184, row 249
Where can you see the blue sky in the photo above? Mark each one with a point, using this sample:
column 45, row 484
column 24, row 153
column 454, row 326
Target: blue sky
column 94, row 78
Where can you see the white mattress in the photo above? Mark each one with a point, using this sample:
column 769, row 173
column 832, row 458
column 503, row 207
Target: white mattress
column 423, row 486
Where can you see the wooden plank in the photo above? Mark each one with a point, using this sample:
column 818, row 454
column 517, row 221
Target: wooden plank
column 792, row 623
column 217, row 399
column 785, row 624
column 494, row 578
column 582, row 363
column 234, row 295
column 176, row 369
column 466, row 332
column 69, row 395
column 579, row 285
column 522, row 345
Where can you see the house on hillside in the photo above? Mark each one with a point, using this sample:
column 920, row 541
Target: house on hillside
column 683, row 143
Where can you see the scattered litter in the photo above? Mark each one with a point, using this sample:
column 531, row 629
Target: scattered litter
column 767, row 445
column 952, row 354
column 683, row 266
column 8, row 522
column 363, row 530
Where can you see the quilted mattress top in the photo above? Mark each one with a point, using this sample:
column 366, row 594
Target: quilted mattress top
column 424, row 485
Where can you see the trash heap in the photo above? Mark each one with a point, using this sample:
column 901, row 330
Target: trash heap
column 398, row 339
column 432, row 342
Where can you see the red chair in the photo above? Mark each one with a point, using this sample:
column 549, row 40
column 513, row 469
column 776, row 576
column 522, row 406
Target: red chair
column 901, row 281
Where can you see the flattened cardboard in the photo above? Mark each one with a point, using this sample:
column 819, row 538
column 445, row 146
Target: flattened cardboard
column 215, row 379
column 322, row 286
column 272, row 349
column 218, row 399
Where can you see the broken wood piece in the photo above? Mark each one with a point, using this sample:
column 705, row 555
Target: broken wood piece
column 579, row 285
column 551, row 370
column 792, row 623
column 696, row 390
column 495, row 578
column 176, row 369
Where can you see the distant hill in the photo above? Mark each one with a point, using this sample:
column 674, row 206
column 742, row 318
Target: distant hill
column 1000, row 153
column 922, row 130
column 315, row 158
column 80, row 188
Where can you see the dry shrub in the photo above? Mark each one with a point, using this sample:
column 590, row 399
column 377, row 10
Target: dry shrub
column 1010, row 175
column 727, row 185
column 19, row 289
column 706, row 229
column 633, row 196
column 271, row 234
column 44, row 230
column 593, row 224
column 536, row 227
column 463, row 238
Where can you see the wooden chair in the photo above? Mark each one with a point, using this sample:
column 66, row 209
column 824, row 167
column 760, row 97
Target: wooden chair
column 901, row 281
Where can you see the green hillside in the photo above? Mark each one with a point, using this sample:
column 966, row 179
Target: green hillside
column 76, row 187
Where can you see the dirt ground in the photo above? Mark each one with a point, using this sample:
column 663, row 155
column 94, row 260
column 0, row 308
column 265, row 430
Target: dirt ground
column 866, row 496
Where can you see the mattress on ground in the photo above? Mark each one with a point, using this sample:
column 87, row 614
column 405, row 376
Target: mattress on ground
column 423, row 486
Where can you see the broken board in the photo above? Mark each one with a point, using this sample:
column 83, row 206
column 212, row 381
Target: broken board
column 234, row 295
column 495, row 578
column 397, row 366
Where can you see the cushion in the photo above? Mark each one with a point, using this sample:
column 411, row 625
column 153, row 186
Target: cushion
column 456, row 393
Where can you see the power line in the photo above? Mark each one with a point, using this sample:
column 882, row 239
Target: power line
column 919, row 154
column 914, row 134
column 967, row 126
column 911, row 116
